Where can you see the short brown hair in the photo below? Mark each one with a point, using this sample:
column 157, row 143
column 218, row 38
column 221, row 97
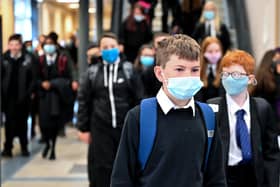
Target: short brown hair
column 17, row 37
column 181, row 45
column 108, row 35
column 241, row 58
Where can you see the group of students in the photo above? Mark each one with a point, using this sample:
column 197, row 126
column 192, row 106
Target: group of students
column 46, row 76
column 136, row 29
column 176, row 148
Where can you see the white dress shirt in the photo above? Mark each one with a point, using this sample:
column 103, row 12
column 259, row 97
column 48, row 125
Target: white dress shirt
column 166, row 104
column 51, row 59
column 17, row 56
column 235, row 154
column 213, row 67
column 212, row 27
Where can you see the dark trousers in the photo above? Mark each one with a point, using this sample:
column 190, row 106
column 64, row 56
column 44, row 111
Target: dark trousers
column 16, row 126
column 34, row 112
column 176, row 13
column 105, row 145
column 189, row 21
column 241, row 176
column 90, row 164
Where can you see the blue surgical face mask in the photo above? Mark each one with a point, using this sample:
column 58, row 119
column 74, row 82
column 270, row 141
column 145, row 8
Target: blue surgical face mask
column 184, row 87
column 110, row 55
column 147, row 60
column 139, row 18
column 235, row 86
column 29, row 49
column 209, row 15
column 49, row 48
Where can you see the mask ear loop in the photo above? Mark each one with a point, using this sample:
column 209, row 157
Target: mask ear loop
column 164, row 79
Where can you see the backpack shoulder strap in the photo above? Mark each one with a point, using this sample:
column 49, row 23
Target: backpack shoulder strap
column 147, row 129
column 127, row 69
column 92, row 71
column 209, row 118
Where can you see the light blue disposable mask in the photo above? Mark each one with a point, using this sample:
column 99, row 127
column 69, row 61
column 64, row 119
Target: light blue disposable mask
column 147, row 60
column 49, row 48
column 139, row 18
column 184, row 87
column 110, row 55
column 235, row 86
column 208, row 14
column 29, row 49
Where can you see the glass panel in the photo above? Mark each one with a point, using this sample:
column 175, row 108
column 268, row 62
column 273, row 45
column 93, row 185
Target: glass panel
column 22, row 12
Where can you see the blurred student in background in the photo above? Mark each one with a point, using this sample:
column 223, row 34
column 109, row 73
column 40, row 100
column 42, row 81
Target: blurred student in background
column 135, row 32
column 145, row 61
column 268, row 77
column 210, row 24
column 212, row 52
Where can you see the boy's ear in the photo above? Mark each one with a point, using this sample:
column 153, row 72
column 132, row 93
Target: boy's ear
column 252, row 80
column 158, row 72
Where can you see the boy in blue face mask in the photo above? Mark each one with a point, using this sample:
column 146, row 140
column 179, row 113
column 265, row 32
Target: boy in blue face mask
column 108, row 89
column 248, row 129
column 177, row 155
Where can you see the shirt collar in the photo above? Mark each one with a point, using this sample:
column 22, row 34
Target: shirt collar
column 234, row 107
column 51, row 57
column 166, row 104
column 17, row 56
column 213, row 67
column 209, row 22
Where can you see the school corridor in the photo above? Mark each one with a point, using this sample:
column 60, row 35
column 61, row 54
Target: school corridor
column 68, row 170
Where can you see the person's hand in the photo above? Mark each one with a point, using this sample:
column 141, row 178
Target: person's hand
column 85, row 137
column 46, row 85
column 75, row 85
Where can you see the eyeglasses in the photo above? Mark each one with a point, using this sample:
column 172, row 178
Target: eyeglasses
column 235, row 75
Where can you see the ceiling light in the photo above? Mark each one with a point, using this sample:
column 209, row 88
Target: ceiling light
column 74, row 6
column 92, row 10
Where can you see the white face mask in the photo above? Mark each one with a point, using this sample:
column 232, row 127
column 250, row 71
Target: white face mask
column 139, row 18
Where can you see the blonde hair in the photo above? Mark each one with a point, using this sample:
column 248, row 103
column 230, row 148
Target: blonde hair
column 217, row 20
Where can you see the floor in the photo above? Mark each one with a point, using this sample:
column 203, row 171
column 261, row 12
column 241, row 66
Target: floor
column 68, row 170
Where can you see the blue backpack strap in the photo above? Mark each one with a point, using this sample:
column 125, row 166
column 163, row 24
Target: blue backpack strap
column 209, row 118
column 147, row 128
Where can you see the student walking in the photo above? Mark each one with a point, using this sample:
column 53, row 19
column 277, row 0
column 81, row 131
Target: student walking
column 108, row 89
column 174, row 151
column 18, row 77
column 248, row 129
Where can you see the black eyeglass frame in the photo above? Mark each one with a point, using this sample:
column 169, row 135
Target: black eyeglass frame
column 235, row 75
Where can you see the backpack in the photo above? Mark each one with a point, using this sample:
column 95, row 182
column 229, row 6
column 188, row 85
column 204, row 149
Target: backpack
column 126, row 66
column 148, row 128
